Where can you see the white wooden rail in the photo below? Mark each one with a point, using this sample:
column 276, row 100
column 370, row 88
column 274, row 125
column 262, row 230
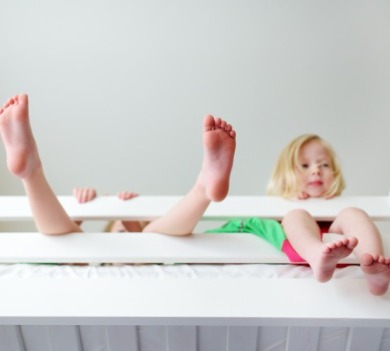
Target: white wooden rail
column 151, row 207
column 206, row 301
column 158, row 248
column 142, row 248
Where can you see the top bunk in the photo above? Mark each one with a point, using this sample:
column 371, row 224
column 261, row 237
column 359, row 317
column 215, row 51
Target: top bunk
column 63, row 298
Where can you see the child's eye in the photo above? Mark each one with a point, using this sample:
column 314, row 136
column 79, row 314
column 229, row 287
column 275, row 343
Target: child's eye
column 305, row 165
column 325, row 165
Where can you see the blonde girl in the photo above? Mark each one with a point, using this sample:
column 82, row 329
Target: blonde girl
column 308, row 168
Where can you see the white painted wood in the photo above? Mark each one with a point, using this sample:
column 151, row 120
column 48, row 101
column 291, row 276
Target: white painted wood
column 64, row 338
column 153, row 337
column 122, row 338
column 242, row 338
column 252, row 301
column 385, row 343
column 94, row 337
column 303, row 338
column 151, row 207
column 182, row 338
column 212, row 338
column 142, row 248
column 11, row 338
column 211, row 303
column 272, row 338
column 36, row 337
column 335, row 339
column 366, row 339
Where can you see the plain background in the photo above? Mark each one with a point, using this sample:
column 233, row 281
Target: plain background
column 118, row 89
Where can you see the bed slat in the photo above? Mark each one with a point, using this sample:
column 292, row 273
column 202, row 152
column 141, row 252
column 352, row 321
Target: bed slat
column 141, row 248
column 203, row 301
column 151, row 207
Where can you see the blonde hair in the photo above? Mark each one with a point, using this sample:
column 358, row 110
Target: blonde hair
column 284, row 181
column 108, row 227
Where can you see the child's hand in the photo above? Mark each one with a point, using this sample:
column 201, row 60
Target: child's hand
column 127, row 195
column 303, row 195
column 84, row 194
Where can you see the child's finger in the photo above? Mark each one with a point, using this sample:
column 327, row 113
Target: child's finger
column 127, row 195
column 84, row 194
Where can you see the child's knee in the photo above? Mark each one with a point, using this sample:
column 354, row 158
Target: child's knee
column 294, row 214
column 352, row 212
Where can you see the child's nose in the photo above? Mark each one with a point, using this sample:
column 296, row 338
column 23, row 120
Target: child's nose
column 315, row 169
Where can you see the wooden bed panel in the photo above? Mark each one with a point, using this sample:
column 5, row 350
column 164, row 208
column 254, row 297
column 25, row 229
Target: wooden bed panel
column 191, row 338
column 272, row 338
column 303, row 338
column 11, row 338
column 122, row 337
column 182, row 337
column 53, row 338
column 366, row 339
column 242, row 338
column 335, row 339
column 252, row 301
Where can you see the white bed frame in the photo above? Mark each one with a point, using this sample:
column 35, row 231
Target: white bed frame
column 303, row 308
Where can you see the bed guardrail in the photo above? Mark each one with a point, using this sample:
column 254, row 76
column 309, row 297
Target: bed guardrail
column 178, row 301
column 151, row 207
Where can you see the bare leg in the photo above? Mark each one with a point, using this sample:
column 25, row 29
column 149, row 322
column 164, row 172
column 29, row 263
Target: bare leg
column 23, row 161
column 212, row 183
column 304, row 235
column 369, row 251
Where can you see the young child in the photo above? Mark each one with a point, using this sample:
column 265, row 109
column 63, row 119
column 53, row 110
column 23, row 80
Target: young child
column 84, row 195
column 308, row 168
column 212, row 183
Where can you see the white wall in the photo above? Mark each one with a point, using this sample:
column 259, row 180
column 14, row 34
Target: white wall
column 118, row 88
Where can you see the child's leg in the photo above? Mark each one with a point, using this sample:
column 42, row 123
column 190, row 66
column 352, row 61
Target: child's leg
column 376, row 267
column 24, row 162
column 212, row 183
column 304, row 235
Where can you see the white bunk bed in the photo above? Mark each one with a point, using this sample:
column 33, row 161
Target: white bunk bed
column 201, row 292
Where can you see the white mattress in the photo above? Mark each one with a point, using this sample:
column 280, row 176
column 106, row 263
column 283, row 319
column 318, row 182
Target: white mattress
column 195, row 271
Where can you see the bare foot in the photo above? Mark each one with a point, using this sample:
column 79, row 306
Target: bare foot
column 219, row 142
column 330, row 254
column 15, row 130
column 376, row 268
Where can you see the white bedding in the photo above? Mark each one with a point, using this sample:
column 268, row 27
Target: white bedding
column 157, row 271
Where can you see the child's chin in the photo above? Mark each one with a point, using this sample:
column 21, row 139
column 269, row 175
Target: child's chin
column 316, row 195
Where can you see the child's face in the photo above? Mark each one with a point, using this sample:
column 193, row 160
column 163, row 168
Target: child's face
column 314, row 171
